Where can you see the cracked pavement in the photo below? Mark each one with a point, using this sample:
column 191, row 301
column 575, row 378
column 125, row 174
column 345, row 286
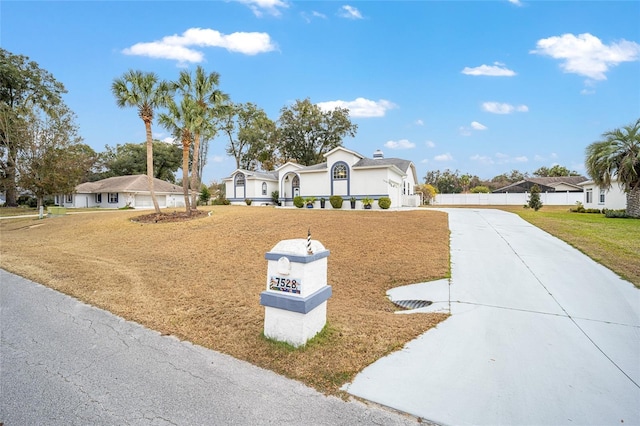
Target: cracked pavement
column 63, row 362
column 539, row 334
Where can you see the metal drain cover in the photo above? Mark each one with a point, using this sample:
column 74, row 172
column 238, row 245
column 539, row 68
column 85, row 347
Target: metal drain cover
column 412, row 304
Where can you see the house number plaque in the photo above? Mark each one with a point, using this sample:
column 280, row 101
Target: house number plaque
column 286, row 284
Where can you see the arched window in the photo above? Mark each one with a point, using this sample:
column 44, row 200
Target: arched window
column 340, row 172
column 264, row 188
column 239, row 179
column 296, row 182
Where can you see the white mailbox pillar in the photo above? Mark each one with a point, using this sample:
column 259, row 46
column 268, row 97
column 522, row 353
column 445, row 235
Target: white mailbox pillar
column 296, row 297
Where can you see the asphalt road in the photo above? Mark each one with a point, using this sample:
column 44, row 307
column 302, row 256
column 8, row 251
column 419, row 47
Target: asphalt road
column 63, row 362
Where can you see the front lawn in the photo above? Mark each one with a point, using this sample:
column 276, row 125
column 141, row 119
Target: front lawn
column 201, row 280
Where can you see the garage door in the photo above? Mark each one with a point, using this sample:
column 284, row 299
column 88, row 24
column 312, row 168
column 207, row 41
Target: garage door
column 143, row 201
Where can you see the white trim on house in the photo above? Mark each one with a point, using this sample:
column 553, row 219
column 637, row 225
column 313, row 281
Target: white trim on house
column 596, row 197
column 359, row 177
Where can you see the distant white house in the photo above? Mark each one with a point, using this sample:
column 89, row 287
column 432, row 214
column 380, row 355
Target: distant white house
column 345, row 173
column 120, row 191
column 596, row 197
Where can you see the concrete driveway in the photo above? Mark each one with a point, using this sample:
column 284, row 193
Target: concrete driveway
column 539, row 334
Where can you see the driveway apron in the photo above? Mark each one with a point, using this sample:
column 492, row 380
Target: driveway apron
column 539, row 334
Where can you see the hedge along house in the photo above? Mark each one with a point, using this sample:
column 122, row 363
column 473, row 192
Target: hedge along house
column 121, row 191
column 344, row 173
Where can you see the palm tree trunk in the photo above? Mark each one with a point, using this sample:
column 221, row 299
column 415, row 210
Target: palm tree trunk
column 194, row 171
column 147, row 125
column 185, row 175
column 633, row 202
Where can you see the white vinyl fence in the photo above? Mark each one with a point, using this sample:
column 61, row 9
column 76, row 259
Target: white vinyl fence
column 507, row 199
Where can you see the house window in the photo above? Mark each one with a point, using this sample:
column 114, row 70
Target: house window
column 69, row 198
column 112, row 197
column 340, row 172
column 98, row 198
column 601, row 201
column 588, row 196
column 239, row 179
column 264, row 188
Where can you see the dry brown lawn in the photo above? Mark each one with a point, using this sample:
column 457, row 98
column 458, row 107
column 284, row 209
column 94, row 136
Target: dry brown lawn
column 201, row 280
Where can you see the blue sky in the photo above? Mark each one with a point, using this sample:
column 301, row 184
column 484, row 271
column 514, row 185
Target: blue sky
column 484, row 87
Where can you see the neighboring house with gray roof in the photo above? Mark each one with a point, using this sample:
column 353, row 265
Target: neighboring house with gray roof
column 120, row 191
column 546, row 184
column 345, row 173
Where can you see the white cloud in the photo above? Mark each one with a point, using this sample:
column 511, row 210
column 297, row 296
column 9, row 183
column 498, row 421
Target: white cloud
column 308, row 16
column 216, row 159
column 503, row 108
column 425, row 161
column 401, row 144
column 477, row 126
column 464, row 131
column 443, row 157
column 271, row 7
column 176, row 47
column 516, row 2
column 419, row 122
column 496, row 70
column 587, row 92
column 430, row 144
column 482, row 159
column 586, row 55
column 349, row 12
column 504, row 158
column 168, row 139
column 360, row 107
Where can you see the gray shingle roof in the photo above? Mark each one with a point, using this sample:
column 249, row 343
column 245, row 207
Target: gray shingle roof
column 372, row 162
column 135, row 183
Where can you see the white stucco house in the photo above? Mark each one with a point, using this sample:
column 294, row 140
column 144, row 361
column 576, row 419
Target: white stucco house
column 345, row 173
column 596, row 197
column 120, row 191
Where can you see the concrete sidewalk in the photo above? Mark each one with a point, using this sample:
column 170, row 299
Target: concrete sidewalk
column 539, row 335
column 63, row 362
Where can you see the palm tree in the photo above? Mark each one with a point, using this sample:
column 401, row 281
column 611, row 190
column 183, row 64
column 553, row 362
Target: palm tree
column 618, row 157
column 180, row 122
column 202, row 88
column 144, row 91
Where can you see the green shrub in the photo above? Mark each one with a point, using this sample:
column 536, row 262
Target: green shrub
column 615, row 213
column 579, row 208
column 298, row 202
column 336, row 201
column 384, row 202
column 592, row 211
column 275, row 197
column 480, row 189
column 220, row 201
column 248, row 201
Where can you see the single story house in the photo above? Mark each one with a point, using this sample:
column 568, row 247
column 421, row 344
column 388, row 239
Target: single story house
column 344, row 172
column 546, row 184
column 121, row 191
column 596, row 197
